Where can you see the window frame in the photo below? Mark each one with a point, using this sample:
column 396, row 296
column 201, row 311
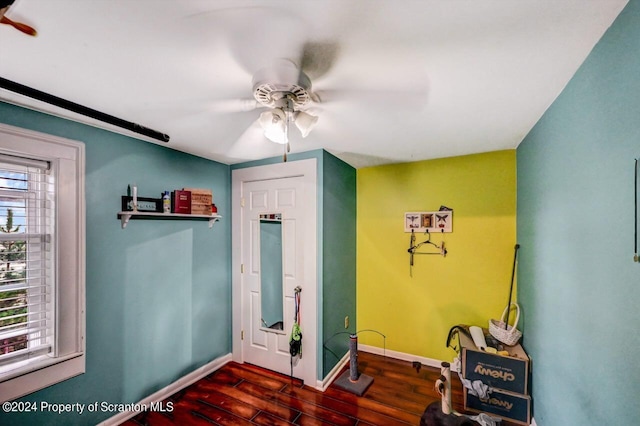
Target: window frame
column 67, row 158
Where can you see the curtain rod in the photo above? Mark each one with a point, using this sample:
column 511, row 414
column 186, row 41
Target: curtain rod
column 80, row 109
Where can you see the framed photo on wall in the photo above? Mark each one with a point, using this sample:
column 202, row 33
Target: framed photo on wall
column 438, row 221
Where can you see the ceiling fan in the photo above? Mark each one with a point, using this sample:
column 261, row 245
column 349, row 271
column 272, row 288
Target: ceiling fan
column 4, row 7
column 286, row 90
column 282, row 89
column 285, row 55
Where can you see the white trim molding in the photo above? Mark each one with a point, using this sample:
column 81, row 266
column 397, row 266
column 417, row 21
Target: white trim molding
column 322, row 385
column 169, row 390
column 67, row 358
column 430, row 362
column 306, row 170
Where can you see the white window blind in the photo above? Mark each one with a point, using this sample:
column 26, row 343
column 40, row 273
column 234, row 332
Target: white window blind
column 27, row 261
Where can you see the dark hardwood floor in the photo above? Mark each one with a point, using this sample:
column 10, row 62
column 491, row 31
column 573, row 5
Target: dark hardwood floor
column 243, row 394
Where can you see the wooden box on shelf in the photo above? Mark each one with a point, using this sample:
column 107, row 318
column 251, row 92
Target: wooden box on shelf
column 201, row 200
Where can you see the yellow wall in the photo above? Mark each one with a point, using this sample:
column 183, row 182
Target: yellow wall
column 470, row 285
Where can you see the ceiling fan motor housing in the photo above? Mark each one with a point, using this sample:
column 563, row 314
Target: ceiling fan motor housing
column 281, row 81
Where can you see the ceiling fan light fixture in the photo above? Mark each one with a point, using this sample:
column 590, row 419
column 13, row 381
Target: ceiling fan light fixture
column 305, row 122
column 274, row 123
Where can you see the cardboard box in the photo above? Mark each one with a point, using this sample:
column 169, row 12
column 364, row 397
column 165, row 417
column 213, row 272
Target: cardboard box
column 181, row 202
column 509, row 406
column 510, row 373
column 201, row 200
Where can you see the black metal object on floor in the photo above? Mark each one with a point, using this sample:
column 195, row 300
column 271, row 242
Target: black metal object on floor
column 433, row 416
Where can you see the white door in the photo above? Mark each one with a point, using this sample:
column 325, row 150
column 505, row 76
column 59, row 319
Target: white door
column 289, row 195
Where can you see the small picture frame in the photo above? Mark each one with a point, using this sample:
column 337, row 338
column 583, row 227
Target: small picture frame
column 411, row 221
column 427, row 220
column 434, row 221
column 150, row 205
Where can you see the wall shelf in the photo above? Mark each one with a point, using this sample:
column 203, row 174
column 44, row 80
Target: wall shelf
column 125, row 216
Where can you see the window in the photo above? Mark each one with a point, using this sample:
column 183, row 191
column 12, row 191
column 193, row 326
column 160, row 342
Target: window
column 41, row 261
column 27, row 272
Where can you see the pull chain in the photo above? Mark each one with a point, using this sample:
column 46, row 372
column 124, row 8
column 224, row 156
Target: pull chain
column 288, row 111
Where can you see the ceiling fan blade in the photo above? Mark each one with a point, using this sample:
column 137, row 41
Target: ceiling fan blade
column 233, row 105
column 318, row 57
column 254, row 35
column 403, row 99
column 192, row 106
column 19, row 26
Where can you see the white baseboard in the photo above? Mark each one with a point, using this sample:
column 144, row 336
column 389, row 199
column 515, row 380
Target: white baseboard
column 322, row 385
column 533, row 422
column 169, row 390
column 401, row 355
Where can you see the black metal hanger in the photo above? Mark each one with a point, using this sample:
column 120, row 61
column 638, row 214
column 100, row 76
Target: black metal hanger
column 413, row 247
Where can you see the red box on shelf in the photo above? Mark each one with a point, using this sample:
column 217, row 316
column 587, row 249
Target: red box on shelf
column 181, row 202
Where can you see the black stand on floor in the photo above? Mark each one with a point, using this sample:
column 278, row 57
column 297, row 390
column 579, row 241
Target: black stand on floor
column 433, row 416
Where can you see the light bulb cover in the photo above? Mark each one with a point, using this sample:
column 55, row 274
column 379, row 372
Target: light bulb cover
column 305, row 122
column 274, row 123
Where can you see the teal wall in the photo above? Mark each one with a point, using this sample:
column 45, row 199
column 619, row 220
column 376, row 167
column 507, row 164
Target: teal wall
column 336, row 252
column 339, row 258
column 578, row 286
column 158, row 300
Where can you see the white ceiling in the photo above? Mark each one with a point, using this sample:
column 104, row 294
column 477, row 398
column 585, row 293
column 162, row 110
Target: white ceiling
column 407, row 80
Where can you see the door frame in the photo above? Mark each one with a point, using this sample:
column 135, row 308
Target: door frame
column 307, row 169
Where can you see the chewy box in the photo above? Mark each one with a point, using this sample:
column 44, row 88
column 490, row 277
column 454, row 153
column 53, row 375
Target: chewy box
column 509, row 373
column 506, row 405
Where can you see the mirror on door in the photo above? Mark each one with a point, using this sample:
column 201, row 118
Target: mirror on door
column 271, row 278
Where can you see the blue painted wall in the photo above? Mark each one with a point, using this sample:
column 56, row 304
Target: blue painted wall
column 578, row 286
column 339, row 259
column 158, row 292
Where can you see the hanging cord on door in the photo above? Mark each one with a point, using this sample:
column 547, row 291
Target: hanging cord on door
column 298, row 317
column 295, row 342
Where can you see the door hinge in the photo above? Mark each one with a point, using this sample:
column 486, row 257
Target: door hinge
column 242, row 202
column 242, row 335
column 242, row 268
